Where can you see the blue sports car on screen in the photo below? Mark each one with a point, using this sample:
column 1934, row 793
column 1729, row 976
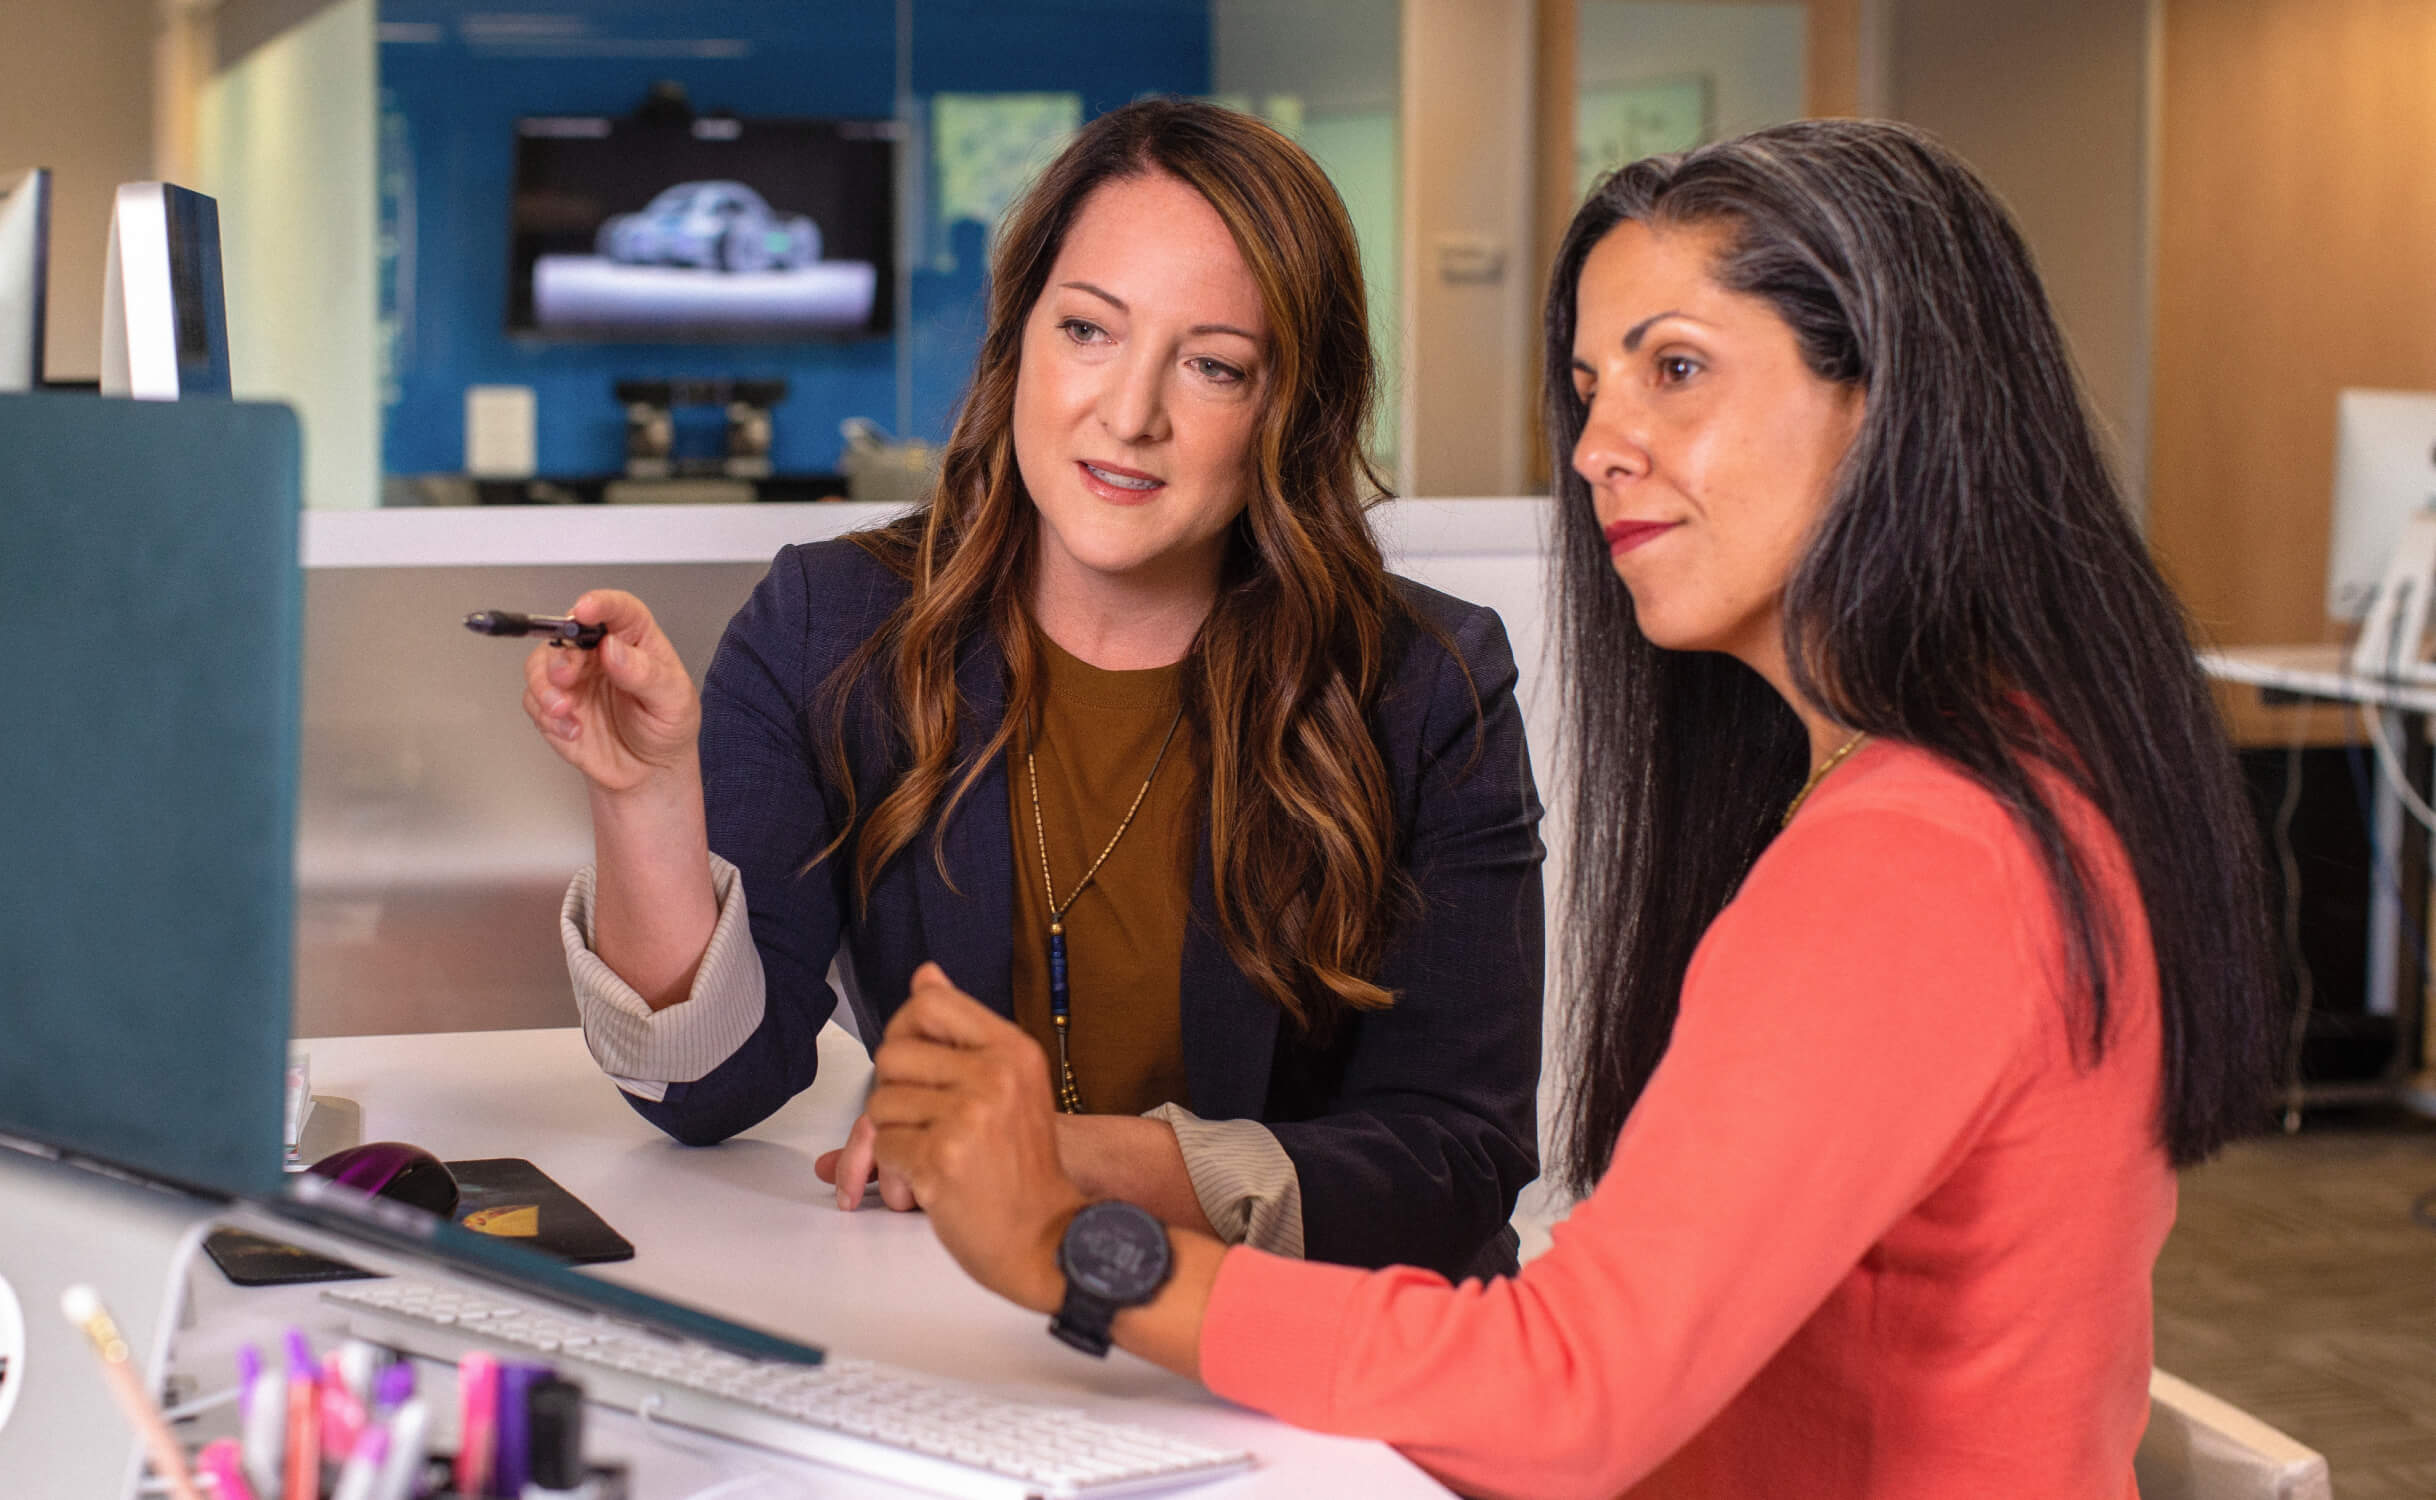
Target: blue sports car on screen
column 716, row 226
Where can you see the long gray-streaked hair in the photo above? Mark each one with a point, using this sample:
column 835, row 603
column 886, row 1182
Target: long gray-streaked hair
column 1975, row 587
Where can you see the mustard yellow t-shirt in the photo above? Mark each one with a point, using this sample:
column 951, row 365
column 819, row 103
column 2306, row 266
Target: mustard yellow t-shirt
column 1097, row 737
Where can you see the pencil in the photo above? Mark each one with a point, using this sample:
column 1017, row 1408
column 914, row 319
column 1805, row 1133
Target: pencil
column 84, row 1308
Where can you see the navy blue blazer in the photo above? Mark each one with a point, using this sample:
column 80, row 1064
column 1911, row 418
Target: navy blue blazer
column 1411, row 1129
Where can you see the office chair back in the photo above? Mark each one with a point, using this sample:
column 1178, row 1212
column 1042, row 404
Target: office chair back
column 2198, row 1447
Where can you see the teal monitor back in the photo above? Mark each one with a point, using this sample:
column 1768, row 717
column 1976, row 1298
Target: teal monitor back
column 149, row 661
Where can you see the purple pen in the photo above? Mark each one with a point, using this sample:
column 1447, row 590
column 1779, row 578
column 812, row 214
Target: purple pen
column 249, row 1370
column 512, row 1463
column 393, row 1388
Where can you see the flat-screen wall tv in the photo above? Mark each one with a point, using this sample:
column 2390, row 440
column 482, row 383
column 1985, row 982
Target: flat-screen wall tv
column 715, row 230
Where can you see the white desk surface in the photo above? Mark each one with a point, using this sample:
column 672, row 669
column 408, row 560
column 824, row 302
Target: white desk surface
column 745, row 1230
column 2318, row 671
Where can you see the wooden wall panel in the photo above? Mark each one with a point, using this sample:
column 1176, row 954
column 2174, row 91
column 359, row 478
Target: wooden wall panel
column 2296, row 255
column 1835, row 57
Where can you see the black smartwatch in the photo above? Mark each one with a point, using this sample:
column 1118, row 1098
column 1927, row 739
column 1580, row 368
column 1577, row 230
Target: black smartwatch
column 1114, row 1255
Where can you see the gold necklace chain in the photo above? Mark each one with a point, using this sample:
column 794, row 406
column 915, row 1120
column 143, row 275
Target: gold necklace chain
column 1069, row 1096
column 1834, row 759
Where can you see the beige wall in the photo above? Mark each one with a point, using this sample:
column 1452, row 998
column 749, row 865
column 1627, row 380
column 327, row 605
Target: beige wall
column 2051, row 103
column 76, row 96
column 1470, row 344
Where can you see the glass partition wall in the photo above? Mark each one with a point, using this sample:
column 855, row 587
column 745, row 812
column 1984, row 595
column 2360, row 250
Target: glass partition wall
column 487, row 210
column 390, row 208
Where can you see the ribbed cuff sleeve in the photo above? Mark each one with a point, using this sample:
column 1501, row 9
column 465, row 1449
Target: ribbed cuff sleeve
column 643, row 1049
column 1270, row 1338
column 1246, row 1182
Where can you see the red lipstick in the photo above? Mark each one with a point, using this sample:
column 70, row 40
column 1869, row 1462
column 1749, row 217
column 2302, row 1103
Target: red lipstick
column 1623, row 536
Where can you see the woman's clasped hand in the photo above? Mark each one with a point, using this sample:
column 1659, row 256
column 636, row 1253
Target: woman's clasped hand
column 962, row 1115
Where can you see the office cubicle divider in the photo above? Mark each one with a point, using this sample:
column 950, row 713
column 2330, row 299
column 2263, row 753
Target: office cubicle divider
column 149, row 620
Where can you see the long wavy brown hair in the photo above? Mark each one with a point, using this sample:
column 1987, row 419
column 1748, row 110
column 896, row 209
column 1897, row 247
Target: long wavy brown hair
column 1282, row 676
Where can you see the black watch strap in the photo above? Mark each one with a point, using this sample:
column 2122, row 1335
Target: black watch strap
column 1083, row 1320
column 1114, row 1255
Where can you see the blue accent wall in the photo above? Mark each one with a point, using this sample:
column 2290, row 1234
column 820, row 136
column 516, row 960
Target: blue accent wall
column 456, row 75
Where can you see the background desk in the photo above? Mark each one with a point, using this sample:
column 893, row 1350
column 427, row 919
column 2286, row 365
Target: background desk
column 2395, row 983
column 746, row 1230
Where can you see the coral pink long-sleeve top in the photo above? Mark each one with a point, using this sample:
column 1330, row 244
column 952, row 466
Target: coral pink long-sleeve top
column 1878, row 1227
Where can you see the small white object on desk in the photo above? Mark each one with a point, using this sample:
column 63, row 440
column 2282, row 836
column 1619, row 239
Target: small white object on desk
column 2394, row 637
column 299, row 1106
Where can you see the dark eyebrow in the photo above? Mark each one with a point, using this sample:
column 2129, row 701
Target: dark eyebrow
column 1111, row 298
column 1119, row 304
column 1640, row 330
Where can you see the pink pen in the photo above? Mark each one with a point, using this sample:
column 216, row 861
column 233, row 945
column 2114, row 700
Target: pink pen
column 342, row 1411
column 304, row 1422
column 477, row 1422
column 219, row 1463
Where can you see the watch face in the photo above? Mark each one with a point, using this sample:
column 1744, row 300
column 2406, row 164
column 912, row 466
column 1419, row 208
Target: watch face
column 1115, row 1251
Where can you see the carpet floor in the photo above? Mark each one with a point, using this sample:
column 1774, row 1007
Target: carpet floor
column 2298, row 1285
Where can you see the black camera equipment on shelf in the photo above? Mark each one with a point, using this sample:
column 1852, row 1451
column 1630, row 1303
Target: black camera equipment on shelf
column 651, row 426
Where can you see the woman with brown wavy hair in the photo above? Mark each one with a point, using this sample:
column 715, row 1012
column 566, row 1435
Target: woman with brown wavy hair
column 1129, row 730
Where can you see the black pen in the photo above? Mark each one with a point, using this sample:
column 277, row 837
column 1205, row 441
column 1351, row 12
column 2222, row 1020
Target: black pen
column 561, row 630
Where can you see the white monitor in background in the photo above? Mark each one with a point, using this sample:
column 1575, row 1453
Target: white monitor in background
column 25, row 242
column 164, row 325
column 2385, row 473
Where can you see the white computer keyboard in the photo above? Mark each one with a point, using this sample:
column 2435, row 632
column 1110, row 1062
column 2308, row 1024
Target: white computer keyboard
column 892, row 1424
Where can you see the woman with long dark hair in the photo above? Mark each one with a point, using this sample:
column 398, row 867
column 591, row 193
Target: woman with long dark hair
column 1129, row 730
column 1916, row 922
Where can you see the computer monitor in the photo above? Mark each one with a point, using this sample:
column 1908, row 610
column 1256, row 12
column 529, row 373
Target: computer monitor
column 25, row 239
column 2385, row 472
column 164, row 324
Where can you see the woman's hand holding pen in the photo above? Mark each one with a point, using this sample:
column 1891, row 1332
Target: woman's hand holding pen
column 625, row 714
